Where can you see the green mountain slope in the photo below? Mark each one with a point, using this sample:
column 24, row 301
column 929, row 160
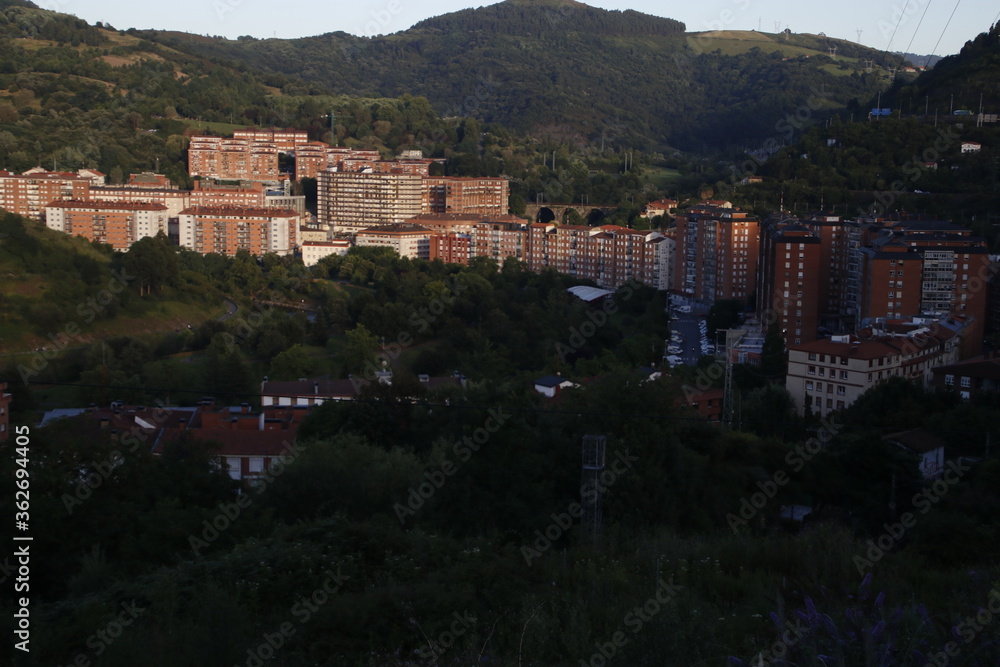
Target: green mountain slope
column 575, row 72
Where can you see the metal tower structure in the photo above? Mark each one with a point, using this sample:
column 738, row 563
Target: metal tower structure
column 594, row 448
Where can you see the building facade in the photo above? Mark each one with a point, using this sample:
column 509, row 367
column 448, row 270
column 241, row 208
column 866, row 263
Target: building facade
column 228, row 229
column 119, row 224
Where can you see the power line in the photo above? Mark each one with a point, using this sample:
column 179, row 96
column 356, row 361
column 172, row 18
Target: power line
column 943, row 30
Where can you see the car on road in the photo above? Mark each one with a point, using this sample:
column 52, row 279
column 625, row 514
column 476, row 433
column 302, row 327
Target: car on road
column 674, row 360
column 683, row 309
column 673, row 349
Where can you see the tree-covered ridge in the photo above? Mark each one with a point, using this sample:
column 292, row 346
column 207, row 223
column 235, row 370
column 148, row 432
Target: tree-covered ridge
column 623, row 79
column 547, row 18
column 961, row 81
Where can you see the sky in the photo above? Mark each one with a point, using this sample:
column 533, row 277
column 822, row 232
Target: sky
column 925, row 27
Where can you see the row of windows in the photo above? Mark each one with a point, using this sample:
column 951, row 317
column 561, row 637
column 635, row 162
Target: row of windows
column 841, row 390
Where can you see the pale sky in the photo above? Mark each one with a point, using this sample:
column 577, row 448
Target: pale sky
column 938, row 27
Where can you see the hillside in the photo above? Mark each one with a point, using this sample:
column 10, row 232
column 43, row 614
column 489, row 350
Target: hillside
column 958, row 81
column 574, row 72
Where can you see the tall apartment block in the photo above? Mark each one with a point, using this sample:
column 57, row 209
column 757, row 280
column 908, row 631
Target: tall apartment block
column 119, row 224
column 314, row 157
column 233, row 159
column 926, row 267
column 717, row 248
column 229, row 229
column 481, row 196
column 28, row 194
column 788, row 281
column 354, row 201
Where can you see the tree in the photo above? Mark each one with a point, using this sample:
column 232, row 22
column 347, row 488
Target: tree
column 153, row 263
column 360, row 348
column 773, row 362
column 293, row 363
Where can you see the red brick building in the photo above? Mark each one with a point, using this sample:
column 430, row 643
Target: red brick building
column 28, row 194
column 229, row 229
column 716, row 254
column 788, row 283
column 233, row 159
column 119, row 224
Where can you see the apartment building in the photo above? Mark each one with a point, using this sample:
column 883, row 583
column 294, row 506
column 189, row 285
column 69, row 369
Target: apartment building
column 927, row 267
column 285, row 141
column 788, row 284
column 207, row 193
column 407, row 240
column 28, row 194
column 174, row 200
column 149, row 179
column 351, row 202
column 451, row 247
column 834, row 261
column 500, row 239
column 229, row 229
column 233, row 159
column 119, row 224
column 716, row 248
column 609, row 255
column 830, row 374
column 314, row 157
column 480, row 196
column 313, row 251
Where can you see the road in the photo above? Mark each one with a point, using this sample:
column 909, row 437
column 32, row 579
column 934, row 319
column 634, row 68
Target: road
column 687, row 325
column 231, row 309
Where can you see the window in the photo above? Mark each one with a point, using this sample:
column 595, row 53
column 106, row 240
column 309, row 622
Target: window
column 257, row 464
column 235, row 469
column 812, row 356
column 819, row 386
column 966, row 382
column 949, row 380
column 840, row 405
column 822, row 371
column 829, row 403
column 843, row 375
column 812, row 370
column 841, row 391
column 809, row 385
column 843, row 361
column 829, row 388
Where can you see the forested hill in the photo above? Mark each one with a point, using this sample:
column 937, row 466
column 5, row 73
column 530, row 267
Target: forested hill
column 576, row 73
column 957, row 82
